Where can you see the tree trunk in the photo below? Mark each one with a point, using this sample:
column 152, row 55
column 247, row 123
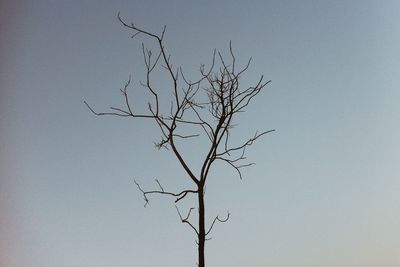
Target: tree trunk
column 202, row 231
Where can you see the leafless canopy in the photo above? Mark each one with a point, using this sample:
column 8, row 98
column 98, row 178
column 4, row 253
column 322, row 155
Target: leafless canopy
column 208, row 104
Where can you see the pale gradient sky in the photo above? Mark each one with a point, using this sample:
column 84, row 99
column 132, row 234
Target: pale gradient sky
column 324, row 192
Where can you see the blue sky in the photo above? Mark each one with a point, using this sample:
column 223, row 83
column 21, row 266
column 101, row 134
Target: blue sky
column 324, row 191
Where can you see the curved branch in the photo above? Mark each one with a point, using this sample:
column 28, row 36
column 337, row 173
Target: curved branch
column 219, row 220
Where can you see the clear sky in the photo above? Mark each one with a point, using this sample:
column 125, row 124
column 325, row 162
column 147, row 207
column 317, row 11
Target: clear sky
column 324, row 191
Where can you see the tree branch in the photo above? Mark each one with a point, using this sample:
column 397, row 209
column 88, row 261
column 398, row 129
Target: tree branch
column 186, row 219
column 219, row 220
column 179, row 196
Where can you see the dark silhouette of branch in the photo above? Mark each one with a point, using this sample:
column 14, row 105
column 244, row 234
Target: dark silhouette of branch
column 179, row 196
column 186, row 219
column 233, row 162
column 219, row 220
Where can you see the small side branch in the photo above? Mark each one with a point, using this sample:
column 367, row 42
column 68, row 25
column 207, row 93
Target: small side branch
column 128, row 112
column 186, row 219
column 249, row 142
column 235, row 166
column 179, row 196
column 218, row 219
column 234, row 162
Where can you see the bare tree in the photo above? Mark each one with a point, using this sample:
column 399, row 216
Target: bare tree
column 207, row 107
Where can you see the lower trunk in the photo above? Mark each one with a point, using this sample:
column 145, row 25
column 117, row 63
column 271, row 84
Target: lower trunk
column 202, row 232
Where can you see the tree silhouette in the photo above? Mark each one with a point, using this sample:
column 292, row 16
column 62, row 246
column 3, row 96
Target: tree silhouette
column 207, row 107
